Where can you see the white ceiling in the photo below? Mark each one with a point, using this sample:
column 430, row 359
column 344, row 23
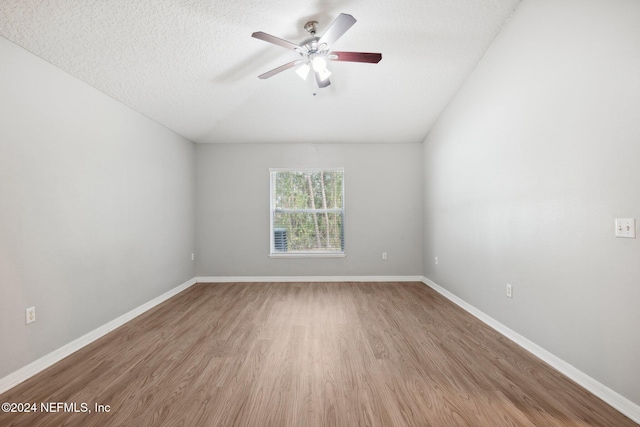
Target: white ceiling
column 192, row 65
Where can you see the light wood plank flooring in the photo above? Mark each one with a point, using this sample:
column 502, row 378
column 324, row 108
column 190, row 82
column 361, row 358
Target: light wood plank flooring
column 308, row 354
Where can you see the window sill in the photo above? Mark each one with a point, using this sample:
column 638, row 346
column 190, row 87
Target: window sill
column 307, row 255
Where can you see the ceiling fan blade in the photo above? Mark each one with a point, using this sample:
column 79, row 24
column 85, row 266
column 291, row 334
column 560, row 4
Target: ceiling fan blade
column 280, row 69
column 372, row 58
column 275, row 40
column 340, row 26
column 322, row 83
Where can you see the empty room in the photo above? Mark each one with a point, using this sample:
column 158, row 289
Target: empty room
column 412, row 213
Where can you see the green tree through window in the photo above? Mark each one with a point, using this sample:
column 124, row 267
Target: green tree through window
column 307, row 211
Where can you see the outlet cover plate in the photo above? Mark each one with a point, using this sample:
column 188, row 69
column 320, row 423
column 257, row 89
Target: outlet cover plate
column 30, row 315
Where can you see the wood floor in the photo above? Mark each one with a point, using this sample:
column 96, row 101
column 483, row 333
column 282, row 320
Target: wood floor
column 303, row 355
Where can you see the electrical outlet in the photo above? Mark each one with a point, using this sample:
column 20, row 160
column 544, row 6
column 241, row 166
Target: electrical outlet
column 193, row 257
column 436, row 261
column 509, row 291
column 384, row 255
column 30, row 315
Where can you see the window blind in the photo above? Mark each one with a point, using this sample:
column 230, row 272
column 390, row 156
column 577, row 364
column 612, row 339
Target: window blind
column 307, row 211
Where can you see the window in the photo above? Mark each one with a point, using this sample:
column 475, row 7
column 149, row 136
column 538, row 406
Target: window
column 307, row 212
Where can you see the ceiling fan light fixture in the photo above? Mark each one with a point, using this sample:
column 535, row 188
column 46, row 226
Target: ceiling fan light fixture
column 303, row 71
column 318, row 63
column 324, row 74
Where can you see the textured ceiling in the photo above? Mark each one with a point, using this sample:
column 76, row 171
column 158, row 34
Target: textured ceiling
column 192, row 65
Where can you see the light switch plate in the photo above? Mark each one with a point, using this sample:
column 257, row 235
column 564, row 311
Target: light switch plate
column 626, row 228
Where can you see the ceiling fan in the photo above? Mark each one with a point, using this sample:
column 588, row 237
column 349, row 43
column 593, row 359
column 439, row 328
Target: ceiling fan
column 314, row 51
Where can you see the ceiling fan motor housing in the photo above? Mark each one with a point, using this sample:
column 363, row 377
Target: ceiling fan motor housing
column 311, row 46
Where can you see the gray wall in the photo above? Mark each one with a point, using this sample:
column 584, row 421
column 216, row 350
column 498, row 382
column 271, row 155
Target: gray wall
column 524, row 174
column 383, row 207
column 96, row 208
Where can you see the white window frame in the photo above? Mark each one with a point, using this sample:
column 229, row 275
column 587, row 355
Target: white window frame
column 303, row 254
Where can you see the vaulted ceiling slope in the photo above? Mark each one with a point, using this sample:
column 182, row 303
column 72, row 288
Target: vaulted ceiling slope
column 192, row 65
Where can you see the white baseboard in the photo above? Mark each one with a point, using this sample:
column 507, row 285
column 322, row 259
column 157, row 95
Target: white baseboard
column 271, row 279
column 44, row 362
column 622, row 404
